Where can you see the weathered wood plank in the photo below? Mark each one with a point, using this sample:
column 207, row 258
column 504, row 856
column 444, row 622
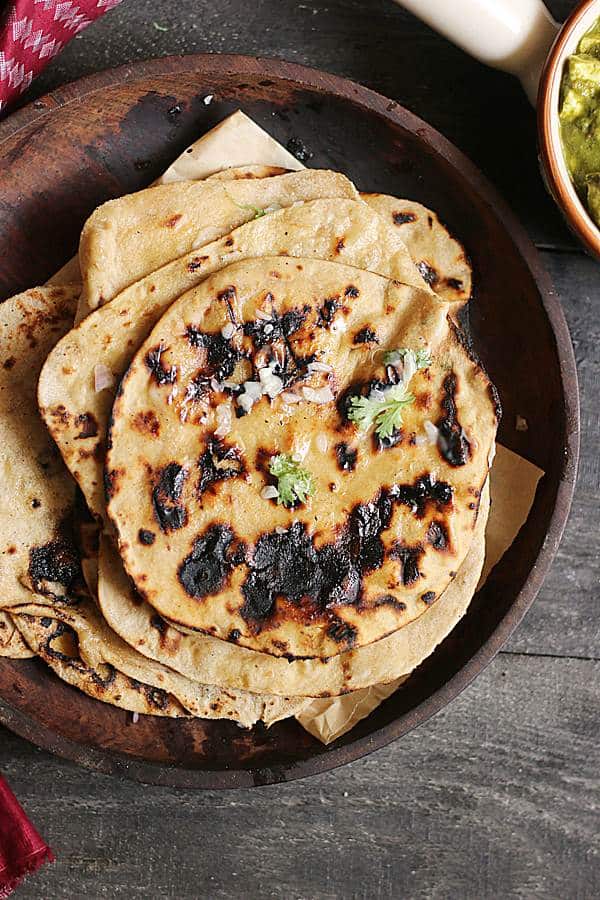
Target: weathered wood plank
column 564, row 620
column 497, row 796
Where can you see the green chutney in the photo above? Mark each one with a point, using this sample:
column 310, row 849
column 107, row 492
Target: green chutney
column 580, row 119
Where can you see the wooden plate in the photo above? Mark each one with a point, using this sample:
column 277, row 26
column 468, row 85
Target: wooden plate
column 113, row 133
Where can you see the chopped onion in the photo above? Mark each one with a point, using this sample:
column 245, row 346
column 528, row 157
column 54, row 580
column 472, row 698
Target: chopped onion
column 228, row 330
column 338, row 326
column 103, row 378
column 232, row 385
column 215, row 385
column 223, row 415
column 322, row 442
column 274, row 207
column 432, row 431
column 246, row 402
column 273, row 386
column 253, row 389
column 135, row 718
column 208, row 99
column 323, row 395
column 288, row 397
column 268, row 328
column 421, row 440
column 280, row 530
column 263, row 314
column 319, row 367
column 269, row 492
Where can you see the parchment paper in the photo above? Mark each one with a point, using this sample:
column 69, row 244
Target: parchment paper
column 238, row 141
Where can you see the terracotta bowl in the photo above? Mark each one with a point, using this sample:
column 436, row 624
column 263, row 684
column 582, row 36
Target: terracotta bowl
column 552, row 158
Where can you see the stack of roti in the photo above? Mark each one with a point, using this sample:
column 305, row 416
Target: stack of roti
column 245, row 454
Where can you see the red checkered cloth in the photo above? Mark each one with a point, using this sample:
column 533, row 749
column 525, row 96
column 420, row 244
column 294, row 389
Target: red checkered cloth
column 22, row 850
column 32, row 32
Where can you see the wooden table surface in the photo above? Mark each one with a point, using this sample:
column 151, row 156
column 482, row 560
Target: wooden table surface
column 498, row 795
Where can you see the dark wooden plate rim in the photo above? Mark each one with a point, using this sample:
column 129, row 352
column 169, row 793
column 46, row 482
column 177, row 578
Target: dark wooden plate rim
column 211, row 67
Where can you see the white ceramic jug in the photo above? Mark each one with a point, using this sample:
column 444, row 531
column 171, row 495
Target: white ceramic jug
column 513, row 35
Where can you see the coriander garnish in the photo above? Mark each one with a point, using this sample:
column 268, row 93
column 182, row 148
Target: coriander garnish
column 420, row 358
column 381, row 408
column 384, row 406
column 294, row 484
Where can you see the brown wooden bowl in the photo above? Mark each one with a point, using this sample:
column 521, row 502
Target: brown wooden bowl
column 114, row 132
column 554, row 167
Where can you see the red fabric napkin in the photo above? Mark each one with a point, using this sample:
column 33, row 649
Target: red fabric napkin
column 33, row 31
column 22, row 850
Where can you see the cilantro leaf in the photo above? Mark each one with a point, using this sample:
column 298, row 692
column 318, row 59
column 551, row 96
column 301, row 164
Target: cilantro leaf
column 421, row 357
column 381, row 408
column 294, row 484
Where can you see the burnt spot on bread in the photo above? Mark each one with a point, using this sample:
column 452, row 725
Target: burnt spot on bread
column 390, row 600
column 59, row 414
column 453, row 443
column 35, row 503
column 196, row 263
column 158, row 371
column 146, row 422
column 265, row 331
column 389, row 441
column 169, row 513
column 54, row 568
column 428, row 597
column 409, row 558
column 327, row 311
column 219, row 462
column 366, row 335
column 422, row 493
column 66, row 637
column 112, row 478
column 455, row 284
column 339, row 245
column 342, row 633
column 495, row 398
column 351, row 291
column 159, row 623
column 9, row 363
column 88, row 424
column 105, row 680
column 437, row 536
column 229, row 242
column 222, row 356
column 207, row 567
column 346, row 456
column 315, row 580
column 146, row 537
column 234, row 635
column 428, row 273
column 402, row 218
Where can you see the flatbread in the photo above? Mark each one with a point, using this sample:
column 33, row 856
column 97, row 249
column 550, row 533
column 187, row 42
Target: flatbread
column 12, row 644
column 237, row 173
column 126, row 238
column 386, row 525
column 56, row 643
column 439, row 257
column 219, row 662
column 36, row 552
column 337, row 230
column 147, row 686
